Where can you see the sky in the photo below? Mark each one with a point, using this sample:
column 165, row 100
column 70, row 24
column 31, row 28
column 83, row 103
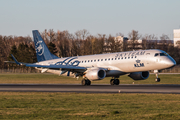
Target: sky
column 20, row 17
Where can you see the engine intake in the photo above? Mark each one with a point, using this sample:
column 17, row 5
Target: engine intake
column 95, row 74
column 139, row 75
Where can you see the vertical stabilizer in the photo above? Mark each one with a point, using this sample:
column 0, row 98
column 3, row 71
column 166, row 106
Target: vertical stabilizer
column 42, row 51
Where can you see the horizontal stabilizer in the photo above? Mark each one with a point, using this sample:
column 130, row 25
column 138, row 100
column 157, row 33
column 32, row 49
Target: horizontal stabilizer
column 9, row 62
column 16, row 60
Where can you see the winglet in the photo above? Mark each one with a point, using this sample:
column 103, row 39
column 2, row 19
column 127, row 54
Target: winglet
column 16, row 60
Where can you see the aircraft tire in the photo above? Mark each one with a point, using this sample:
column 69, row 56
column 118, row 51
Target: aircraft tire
column 116, row 82
column 84, row 82
column 157, row 79
column 112, row 81
column 88, row 82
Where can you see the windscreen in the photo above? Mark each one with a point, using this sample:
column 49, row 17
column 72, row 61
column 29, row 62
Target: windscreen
column 161, row 54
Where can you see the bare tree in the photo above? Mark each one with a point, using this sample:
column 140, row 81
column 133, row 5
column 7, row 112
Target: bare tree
column 164, row 43
column 164, row 37
column 51, row 35
column 133, row 37
column 81, row 34
column 148, row 41
column 120, row 34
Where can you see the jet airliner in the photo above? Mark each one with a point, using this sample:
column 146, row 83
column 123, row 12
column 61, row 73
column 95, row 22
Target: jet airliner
column 136, row 64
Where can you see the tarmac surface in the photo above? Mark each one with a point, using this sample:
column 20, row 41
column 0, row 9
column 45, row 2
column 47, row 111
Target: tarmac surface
column 94, row 88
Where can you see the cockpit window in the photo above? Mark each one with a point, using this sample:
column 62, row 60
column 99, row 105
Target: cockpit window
column 161, row 54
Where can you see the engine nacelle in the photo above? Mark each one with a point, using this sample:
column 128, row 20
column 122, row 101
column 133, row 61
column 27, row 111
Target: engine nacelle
column 95, row 74
column 139, row 75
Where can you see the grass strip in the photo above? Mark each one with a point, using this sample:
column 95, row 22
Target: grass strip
column 31, row 105
column 55, row 79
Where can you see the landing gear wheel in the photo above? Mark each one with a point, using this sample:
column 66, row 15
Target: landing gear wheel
column 112, row 81
column 83, row 82
column 116, row 81
column 157, row 79
column 86, row 82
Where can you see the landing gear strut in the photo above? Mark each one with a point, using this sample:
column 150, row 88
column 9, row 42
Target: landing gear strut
column 85, row 82
column 114, row 81
column 157, row 73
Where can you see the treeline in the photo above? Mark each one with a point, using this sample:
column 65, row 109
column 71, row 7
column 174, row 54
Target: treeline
column 65, row 44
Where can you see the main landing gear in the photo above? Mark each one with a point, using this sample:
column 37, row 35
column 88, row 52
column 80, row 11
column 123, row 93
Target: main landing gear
column 114, row 81
column 157, row 73
column 85, row 82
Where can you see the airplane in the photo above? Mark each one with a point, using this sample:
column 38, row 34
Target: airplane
column 136, row 64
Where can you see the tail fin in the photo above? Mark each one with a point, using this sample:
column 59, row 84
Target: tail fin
column 42, row 51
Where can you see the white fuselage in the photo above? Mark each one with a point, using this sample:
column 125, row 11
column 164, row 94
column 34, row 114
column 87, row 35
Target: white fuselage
column 119, row 63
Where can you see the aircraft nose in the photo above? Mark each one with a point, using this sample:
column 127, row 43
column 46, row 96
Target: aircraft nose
column 170, row 62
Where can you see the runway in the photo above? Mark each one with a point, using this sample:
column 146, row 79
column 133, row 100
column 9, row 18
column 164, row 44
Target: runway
column 94, row 88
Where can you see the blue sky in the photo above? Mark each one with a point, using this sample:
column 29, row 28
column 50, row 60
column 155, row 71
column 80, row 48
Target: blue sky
column 20, row 17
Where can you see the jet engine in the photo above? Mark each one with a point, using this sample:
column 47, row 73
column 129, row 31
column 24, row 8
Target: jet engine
column 139, row 75
column 95, row 74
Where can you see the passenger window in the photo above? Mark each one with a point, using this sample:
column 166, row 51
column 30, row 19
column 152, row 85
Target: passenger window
column 118, row 58
column 82, row 61
column 156, row 54
column 98, row 60
column 128, row 57
column 88, row 60
column 94, row 60
column 112, row 59
column 115, row 58
column 91, row 60
column 101, row 59
column 109, row 59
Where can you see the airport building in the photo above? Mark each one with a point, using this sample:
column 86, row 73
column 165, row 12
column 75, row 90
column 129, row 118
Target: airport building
column 176, row 37
column 124, row 44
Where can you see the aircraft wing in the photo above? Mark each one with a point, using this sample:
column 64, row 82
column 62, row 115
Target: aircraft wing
column 66, row 67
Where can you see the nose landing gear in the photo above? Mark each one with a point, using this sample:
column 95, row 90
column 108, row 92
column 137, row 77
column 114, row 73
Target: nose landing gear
column 157, row 79
column 157, row 73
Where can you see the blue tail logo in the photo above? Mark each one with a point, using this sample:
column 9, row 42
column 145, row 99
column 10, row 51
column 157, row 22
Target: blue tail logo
column 42, row 51
column 39, row 48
